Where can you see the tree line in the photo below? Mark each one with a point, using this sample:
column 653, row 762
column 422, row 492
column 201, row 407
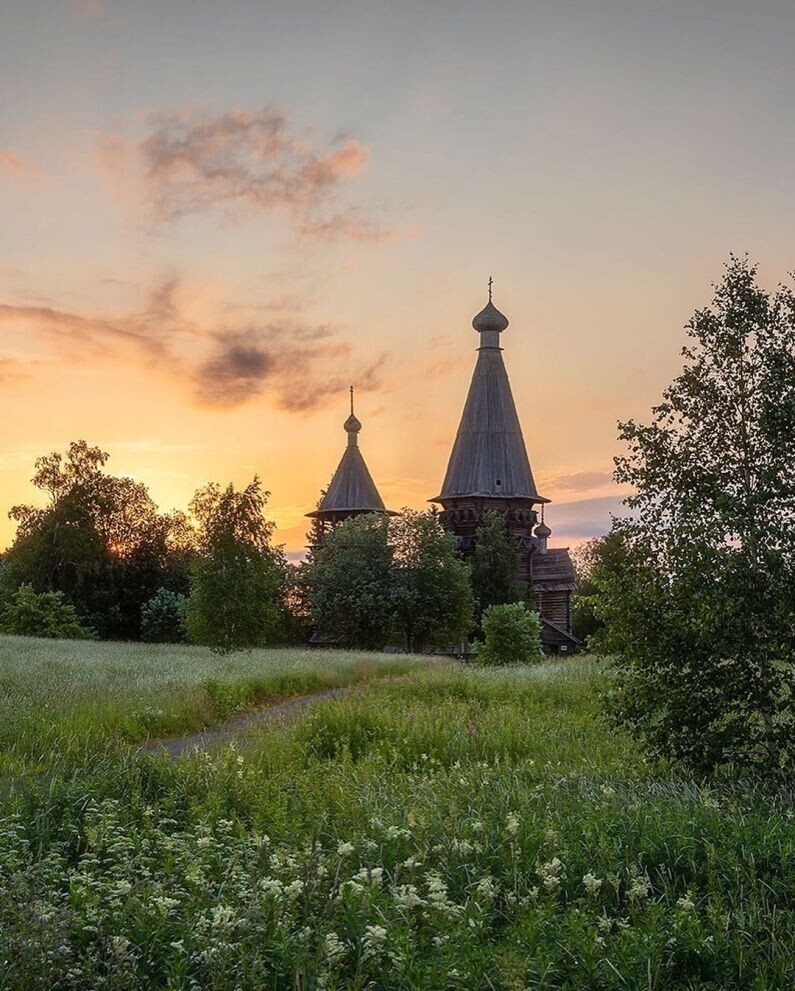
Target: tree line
column 99, row 559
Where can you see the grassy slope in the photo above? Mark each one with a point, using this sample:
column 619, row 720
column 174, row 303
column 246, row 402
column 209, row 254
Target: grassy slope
column 431, row 833
column 61, row 700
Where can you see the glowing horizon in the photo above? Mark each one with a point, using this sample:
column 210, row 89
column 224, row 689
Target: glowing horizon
column 215, row 220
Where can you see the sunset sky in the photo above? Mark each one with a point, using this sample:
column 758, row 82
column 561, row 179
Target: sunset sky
column 215, row 216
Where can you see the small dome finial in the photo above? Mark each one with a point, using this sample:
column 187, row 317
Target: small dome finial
column 352, row 424
column 543, row 533
column 490, row 320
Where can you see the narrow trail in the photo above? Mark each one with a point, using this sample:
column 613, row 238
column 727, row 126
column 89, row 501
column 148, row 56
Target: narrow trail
column 221, row 733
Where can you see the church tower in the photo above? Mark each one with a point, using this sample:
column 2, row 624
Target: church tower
column 352, row 491
column 489, row 471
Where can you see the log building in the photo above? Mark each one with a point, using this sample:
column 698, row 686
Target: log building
column 489, row 471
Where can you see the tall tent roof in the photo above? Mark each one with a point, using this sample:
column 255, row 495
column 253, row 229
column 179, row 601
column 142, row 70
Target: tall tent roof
column 489, row 457
column 352, row 489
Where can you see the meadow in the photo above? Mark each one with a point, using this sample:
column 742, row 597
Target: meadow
column 455, row 828
column 62, row 700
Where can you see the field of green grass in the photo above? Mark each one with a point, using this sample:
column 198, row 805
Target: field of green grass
column 62, row 700
column 454, row 829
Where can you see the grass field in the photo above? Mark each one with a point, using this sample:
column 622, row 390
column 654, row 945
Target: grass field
column 62, row 700
column 458, row 828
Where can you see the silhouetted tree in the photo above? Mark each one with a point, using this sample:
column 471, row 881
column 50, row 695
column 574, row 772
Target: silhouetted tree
column 432, row 590
column 350, row 580
column 495, row 565
column 99, row 539
column 701, row 616
column 236, row 593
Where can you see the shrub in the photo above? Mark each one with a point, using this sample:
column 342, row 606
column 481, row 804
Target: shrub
column 512, row 635
column 45, row 615
column 163, row 618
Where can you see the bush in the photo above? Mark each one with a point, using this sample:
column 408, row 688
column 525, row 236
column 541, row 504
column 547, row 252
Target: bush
column 46, row 615
column 512, row 635
column 163, row 618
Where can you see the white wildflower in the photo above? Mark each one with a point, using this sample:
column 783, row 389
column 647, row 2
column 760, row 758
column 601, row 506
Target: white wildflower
column 374, row 939
column 592, row 883
column 406, row 897
column 271, row 886
column 333, row 947
column 686, row 904
column 551, row 874
column 512, row 823
column 486, row 887
column 345, row 849
column 639, row 888
column 294, row 889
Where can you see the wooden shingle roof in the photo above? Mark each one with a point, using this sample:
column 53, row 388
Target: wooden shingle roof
column 352, row 489
column 489, row 457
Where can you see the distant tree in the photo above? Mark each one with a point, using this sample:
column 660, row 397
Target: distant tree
column 701, row 617
column 433, row 603
column 99, row 539
column 24, row 613
column 350, row 577
column 511, row 635
column 163, row 617
column 495, row 565
column 236, row 592
column 595, row 562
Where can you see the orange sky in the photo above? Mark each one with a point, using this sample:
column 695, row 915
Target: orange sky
column 215, row 219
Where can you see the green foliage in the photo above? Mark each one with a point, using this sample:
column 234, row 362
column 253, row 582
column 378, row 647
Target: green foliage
column 163, row 618
column 350, row 577
column 99, row 540
column 465, row 827
column 237, row 586
column 495, row 565
column 432, row 593
column 700, row 616
column 511, row 635
column 374, row 578
column 24, row 613
column 595, row 562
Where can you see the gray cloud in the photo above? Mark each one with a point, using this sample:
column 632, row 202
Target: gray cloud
column 297, row 366
column 300, row 366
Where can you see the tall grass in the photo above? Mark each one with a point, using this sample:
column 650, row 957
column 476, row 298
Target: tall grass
column 63, row 700
column 456, row 829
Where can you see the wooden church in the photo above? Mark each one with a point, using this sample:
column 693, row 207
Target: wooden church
column 488, row 471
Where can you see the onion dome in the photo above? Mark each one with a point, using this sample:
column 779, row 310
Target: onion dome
column 352, row 425
column 490, row 319
column 543, row 531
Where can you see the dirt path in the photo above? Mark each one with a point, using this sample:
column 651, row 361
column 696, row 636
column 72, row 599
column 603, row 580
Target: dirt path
column 221, row 733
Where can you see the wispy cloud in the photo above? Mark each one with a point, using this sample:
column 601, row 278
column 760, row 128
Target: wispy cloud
column 297, row 366
column 300, row 365
column 11, row 165
column 191, row 161
column 578, row 481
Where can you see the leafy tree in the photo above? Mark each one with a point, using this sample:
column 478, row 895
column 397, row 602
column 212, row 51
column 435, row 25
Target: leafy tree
column 45, row 615
column 350, row 577
column 163, row 617
column 701, row 617
column 511, row 635
column 595, row 562
column 235, row 597
column 495, row 565
column 98, row 539
column 432, row 596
